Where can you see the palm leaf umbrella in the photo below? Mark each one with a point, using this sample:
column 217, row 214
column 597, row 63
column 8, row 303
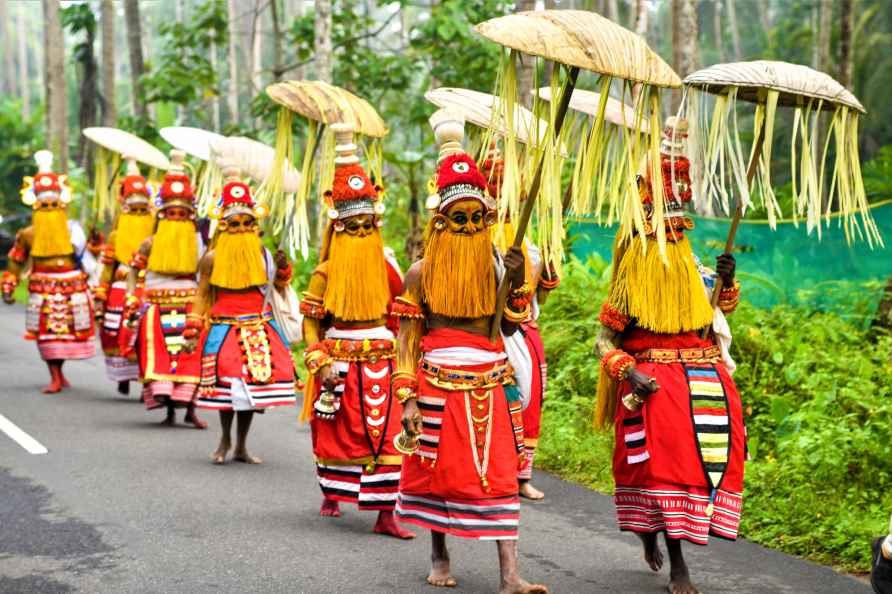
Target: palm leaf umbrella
column 716, row 153
column 576, row 40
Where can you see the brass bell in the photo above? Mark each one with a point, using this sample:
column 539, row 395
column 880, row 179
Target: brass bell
column 406, row 443
column 633, row 402
column 327, row 405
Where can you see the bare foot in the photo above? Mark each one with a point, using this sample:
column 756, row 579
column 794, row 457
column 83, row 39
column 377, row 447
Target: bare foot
column 681, row 584
column 528, row 491
column 440, row 574
column 388, row 525
column 219, row 455
column 244, row 456
column 65, row 382
column 193, row 419
column 519, row 586
column 652, row 554
column 330, row 509
column 54, row 387
column 169, row 420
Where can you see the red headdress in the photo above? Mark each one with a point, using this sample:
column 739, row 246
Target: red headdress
column 235, row 197
column 45, row 185
column 134, row 189
column 352, row 192
column 176, row 190
column 457, row 175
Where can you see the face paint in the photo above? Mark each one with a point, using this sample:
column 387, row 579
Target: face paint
column 360, row 226
column 466, row 217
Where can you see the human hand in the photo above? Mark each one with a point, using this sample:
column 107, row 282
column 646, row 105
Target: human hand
column 514, row 266
column 726, row 266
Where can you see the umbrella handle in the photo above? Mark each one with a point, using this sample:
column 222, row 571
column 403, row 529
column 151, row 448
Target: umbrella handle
column 527, row 211
column 738, row 214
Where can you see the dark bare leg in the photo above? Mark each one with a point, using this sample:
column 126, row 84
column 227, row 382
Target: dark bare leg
column 170, row 419
column 65, row 382
column 679, row 578
column 192, row 418
column 241, row 437
column 55, row 368
column 652, row 553
column 510, row 581
column 440, row 574
column 528, row 491
column 388, row 525
column 124, row 388
column 219, row 455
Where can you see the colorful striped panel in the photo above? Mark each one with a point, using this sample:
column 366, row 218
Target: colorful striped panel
column 709, row 411
column 352, row 484
column 515, row 410
column 635, row 440
column 483, row 519
column 432, row 410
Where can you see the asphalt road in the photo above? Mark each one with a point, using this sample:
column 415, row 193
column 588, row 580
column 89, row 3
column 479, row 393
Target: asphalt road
column 121, row 504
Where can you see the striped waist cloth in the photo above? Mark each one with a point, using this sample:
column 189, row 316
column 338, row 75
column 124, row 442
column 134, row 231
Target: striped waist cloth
column 710, row 354
column 243, row 320
column 461, row 379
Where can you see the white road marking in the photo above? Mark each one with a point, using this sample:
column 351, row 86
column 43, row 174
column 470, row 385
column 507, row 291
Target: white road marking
column 31, row 445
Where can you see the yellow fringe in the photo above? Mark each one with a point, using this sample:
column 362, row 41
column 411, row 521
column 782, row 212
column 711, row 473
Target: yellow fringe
column 357, row 289
column 306, row 411
column 458, row 276
column 104, row 194
column 238, row 261
column 51, row 236
column 174, row 248
column 664, row 293
column 130, row 231
column 605, row 403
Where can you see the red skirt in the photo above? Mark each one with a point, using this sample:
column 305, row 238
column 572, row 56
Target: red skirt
column 446, row 492
column 167, row 370
column 60, row 315
column 245, row 363
column 532, row 414
column 678, row 462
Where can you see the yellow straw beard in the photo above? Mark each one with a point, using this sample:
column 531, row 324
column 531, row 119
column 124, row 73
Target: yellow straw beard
column 357, row 288
column 238, row 261
column 458, row 276
column 174, row 248
column 666, row 297
column 130, row 232
column 51, row 236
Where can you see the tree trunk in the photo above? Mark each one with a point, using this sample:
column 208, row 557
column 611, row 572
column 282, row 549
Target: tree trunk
column 137, row 67
column 641, row 15
column 765, row 16
column 735, row 32
column 109, row 114
column 24, row 75
column 215, row 99
column 9, row 81
column 846, row 56
column 89, row 99
column 277, row 41
column 54, row 58
column 257, row 46
column 526, row 64
column 825, row 28
column 613, row 11
column 323, row 40
column 232, row 88
column 717, row 29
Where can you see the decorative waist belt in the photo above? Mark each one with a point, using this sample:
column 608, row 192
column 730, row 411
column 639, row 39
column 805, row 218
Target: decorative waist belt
column 44, row 283
column 245, row 320
column 369, row 349
column 460, row 379
column 711, row 354
column 164, row 296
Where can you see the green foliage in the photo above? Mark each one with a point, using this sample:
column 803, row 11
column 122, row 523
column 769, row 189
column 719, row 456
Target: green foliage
column 20, row 138
column 815, row 389
column 183, row 73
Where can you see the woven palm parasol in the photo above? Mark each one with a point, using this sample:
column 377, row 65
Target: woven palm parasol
column 717, row 158
column 115, row 144
column 322, row 104
column 195, row 142
column 588, row 102
column 577, row 40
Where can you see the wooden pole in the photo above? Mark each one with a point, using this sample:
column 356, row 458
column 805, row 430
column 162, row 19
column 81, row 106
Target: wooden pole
column 738, row 214
column 527, row 211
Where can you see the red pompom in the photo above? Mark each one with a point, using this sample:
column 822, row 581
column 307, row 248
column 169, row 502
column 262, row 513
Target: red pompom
column 133, row 184
column 459, row 169
column 176, row 185
column 352, row 183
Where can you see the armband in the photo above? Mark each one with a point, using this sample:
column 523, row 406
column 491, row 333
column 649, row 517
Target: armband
column 404, row 386
column 403, row 307
column 316, row 357
column 139, row 262
column 8, row 281
column 100, row 292
column 108, row 255
column 550, row 282
column 516, row 317
column 617, row 363
column 311, row 307
column 729, row 297
column 17, row 254
column 612, row 318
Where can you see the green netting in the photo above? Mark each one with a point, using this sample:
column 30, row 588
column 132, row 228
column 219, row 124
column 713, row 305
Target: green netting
column 781, row 266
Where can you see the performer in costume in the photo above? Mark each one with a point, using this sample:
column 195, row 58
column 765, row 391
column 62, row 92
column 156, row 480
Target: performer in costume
column 245, row 362
column 351, row 348
column 161, row 286
column 679, row 453
column 133, row 225
column 542, row 281
column 60, row 313
column 461, row 411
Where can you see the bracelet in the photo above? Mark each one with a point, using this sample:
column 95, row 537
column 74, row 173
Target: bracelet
column 316, row 357
column 516, row 317
column 522, row 291
column 550, row 282
column 131, row 301
column 612, row 318
column 617, row 364
column 100, row 293
column 311, row 307
column 405, row 393
column 17, row 254
column 403, row 307
column 194, row 320
column 140, row 261
column 190, row 332
column 8, row 280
